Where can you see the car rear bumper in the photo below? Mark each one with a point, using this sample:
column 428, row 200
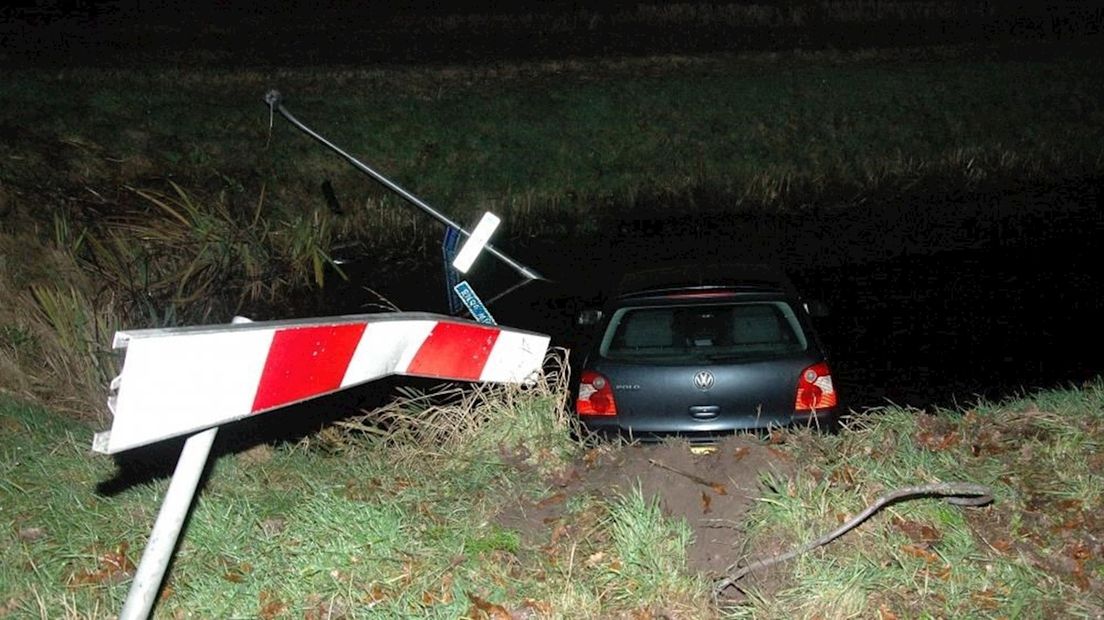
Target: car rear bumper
column 612, row 426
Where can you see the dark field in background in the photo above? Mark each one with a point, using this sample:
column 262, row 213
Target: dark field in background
column 145, row 33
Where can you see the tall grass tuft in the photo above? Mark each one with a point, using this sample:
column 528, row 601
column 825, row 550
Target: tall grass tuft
column 479, row 419
column 177, row 259
column 202, row 260
column 651, row 550
column 74, row 337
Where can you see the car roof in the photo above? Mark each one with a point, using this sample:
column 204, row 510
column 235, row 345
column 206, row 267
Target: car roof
column 749, row 277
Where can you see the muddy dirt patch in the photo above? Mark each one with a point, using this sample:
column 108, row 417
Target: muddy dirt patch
column 712, row 491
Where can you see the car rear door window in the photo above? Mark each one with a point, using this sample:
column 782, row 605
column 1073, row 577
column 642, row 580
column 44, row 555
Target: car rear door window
column 696, row 333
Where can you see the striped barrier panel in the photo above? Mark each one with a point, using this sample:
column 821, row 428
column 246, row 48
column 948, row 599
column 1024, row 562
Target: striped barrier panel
column 180, row 380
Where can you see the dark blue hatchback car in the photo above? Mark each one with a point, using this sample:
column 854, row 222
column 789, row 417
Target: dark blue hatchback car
column 702, row 351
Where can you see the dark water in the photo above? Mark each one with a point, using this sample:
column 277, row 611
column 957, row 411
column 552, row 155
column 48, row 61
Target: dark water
column 937, row 298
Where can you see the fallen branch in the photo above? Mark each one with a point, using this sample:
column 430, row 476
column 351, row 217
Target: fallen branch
column 958, row 493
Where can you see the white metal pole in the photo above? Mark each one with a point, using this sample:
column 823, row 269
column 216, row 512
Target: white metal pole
column 162, row 540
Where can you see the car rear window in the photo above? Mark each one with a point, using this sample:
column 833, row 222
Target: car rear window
column 697, row 333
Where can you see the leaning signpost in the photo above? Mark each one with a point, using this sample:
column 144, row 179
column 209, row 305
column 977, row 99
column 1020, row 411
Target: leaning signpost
column 187, row 381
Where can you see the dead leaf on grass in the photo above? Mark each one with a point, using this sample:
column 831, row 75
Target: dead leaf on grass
column 375, row 595
column 9, row 606
column 564, row 477
column 442, row 594
column 1079, row 551
column 555, row 498
column 319, row 608
column 532, row 609
column 779, row 453
column 31, row 534
column 989, row 442
column 237, row 574
column 1069, row 505
column 920, row 552
column 591, row 456
column 1080, row 579
column 986, row 599
column 843, row 475
column 937, row 442
column 558, row 532
column 942, row 573
column 257, row 455
column 270, row 605
column 111, row 567
column 885, row 614
column 706, row 501
column 1003, row 545
column 484, row 609
column 1075, row 523
column 917, row 532
column 273, row 526
column 740, row 453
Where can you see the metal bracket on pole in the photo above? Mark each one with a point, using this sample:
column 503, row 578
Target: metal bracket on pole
column 275, row 102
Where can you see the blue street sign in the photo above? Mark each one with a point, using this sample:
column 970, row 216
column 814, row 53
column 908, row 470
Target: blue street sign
column 474, row 304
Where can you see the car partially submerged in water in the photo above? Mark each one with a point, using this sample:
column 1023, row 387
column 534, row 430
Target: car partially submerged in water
column 701, row 351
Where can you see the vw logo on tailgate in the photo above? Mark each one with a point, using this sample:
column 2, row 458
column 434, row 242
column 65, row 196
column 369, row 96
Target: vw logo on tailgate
column 703, row 380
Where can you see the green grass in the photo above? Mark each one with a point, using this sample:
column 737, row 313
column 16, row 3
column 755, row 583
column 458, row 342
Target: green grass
column 1019, row 557
column 352, row 522
column 344, row 521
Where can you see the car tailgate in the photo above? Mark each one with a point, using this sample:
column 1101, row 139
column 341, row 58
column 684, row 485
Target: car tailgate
column 702, row 398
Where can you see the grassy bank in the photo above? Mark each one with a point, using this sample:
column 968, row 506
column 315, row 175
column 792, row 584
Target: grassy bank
column 347, row 523
column 1033, row 552
column 353, row 522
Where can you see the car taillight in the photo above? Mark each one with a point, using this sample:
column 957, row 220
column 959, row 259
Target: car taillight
column 814, row 389
column 595, row 395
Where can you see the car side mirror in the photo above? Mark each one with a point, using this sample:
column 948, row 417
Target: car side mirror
column 589, row 317
column 816, row 308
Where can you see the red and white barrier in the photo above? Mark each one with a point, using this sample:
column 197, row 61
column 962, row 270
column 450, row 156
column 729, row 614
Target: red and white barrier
column 181, row 380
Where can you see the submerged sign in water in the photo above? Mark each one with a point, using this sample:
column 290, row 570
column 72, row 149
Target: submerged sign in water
column 473, row 303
